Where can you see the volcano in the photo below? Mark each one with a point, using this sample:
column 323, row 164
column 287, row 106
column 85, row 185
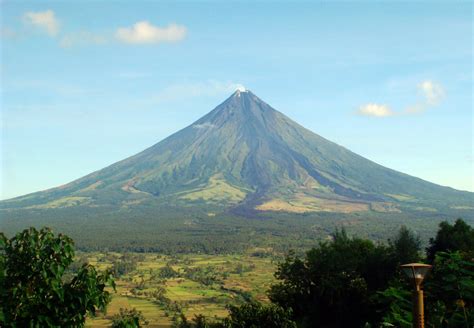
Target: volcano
column 246, row 157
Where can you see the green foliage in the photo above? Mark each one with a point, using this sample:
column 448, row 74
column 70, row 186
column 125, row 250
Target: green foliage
column 126, row 264
column 450, row 291
column 167, row 272
column 248, row 315
column 457, row 237
column 397, row 305
column 406, row 246
column 199, row 321
column 203, row 275
column 333, row 280
column 255, row 315
column 33, row 290
column 128, row 318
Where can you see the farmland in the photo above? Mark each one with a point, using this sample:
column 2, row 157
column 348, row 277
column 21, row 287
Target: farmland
column 163, row 287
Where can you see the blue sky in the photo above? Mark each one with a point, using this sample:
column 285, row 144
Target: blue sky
column 85, row 84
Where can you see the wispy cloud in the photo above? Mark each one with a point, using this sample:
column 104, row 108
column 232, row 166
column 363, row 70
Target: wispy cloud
column 375, row 110
column 43, row 20
column 144, row 32
column 431, row 94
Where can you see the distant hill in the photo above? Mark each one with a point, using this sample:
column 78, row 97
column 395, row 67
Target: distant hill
column 246, row 157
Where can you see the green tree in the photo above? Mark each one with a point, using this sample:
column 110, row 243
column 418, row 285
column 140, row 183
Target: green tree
column 406, row 246
column 248, row 315
column 332, row 286
column 255, row 315
column 33, row 292
column 126, row 264
column 129, row 319
column 456, row 237
column 450, row 291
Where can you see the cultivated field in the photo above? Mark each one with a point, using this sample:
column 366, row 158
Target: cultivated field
column 163, row 287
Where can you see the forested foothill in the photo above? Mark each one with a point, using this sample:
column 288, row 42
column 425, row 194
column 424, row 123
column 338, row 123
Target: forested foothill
column 342, row 281
column 182, row 231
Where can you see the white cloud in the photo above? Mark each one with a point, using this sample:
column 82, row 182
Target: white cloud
column 432, row 92
column 45, row 20
column 375, row 110
column 82, row 38
column 145, row 33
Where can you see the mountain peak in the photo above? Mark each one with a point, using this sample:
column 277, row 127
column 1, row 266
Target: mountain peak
column 245, row 155
column 241, row 90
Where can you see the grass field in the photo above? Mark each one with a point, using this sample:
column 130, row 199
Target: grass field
column 196, row 284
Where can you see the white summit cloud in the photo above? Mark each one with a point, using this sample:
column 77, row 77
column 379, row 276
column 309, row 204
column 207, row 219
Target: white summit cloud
column 144, row 32
column 432, row 92
column 375, row 110
column 44, row 20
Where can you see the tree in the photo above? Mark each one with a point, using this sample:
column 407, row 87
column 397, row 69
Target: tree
column 332, row 286
column 248, row 315
column 254, row 315
column 129, row 319
column 33, row 291
column 406, row 246
column 450, row 291
column 457, row 237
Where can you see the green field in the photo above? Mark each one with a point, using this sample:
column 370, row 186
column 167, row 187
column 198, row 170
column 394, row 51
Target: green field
column 200, row 284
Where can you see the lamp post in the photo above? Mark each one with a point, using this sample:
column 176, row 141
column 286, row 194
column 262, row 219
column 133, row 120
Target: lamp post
column 417, row 273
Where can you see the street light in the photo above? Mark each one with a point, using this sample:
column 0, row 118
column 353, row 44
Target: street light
column 417, row 273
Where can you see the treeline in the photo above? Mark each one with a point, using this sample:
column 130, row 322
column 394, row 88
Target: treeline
column 173, row 231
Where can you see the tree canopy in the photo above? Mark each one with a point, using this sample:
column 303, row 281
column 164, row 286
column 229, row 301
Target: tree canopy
column 33, row 289
column 456, row 237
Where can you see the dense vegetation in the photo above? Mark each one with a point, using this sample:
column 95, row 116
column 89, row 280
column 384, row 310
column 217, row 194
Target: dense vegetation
column 154, row 230
column 357, row 277
column 34, row 291
column 343, row 282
